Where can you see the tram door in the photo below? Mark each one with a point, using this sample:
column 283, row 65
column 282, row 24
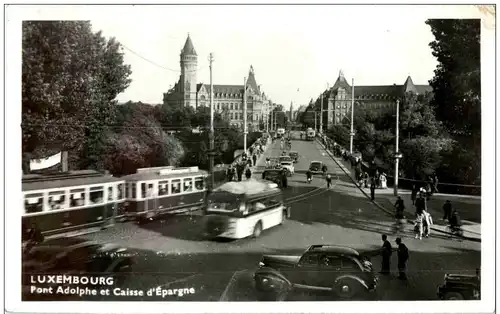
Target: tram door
column 151, row 202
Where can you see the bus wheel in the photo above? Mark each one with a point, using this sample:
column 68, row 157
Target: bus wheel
column 257, row 230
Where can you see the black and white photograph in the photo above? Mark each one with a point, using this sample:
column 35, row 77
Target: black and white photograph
column 285, row 157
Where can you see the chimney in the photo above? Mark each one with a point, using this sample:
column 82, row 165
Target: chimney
column 64, row 161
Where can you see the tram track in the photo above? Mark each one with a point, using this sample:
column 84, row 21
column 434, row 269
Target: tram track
column 316, row 192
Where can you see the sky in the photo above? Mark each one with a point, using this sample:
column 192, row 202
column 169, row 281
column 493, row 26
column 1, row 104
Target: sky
column 295, row 50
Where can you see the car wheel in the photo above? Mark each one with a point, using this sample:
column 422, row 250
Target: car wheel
column 453, row 296
column 345, row 289
column 257, row 230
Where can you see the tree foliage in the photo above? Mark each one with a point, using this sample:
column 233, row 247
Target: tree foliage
column 70, row 79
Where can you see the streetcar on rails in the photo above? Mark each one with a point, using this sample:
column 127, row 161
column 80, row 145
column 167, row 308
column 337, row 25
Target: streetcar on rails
column 151, row 192
column 310, row 134
column 68, row 201
column 238, row 210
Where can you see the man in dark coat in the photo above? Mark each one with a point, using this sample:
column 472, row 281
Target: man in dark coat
column 239, row 171
column 284, row 179
column 447, row 210
column 403, row 256
column 372, row 189
column 248, row 173
column 254, row 157
column 386, row 256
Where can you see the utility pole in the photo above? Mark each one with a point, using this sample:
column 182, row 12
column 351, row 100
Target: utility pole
column 397, row 154
column 245, row 126
column 321, row 116
column 211, row 134
column 315, row 118
column 352, row 117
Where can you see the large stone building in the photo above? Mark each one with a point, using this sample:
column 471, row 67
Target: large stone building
column 379, row 98
column 228, row 99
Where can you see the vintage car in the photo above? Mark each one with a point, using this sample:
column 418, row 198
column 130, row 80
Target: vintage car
column 289, row 168
column 274, row 175
column 285, row 158
column 337, row 269
column 316, row 167
column 294, row 155
column 74, row 256
column 460, row 287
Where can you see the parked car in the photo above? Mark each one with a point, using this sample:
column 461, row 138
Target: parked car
column 294, row 155
column 74, row 256
column 316, row 167
column 460, row 287
column 288, row 166
column 340, row 270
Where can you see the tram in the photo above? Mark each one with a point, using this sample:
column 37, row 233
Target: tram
column 310, row 134
column 151, row 192
column 68, row 201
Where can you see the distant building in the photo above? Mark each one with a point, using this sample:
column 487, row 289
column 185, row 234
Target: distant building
column 228, row 99
column 379, row 98
column 299, row 111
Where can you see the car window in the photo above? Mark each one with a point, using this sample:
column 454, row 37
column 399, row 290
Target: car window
column 347, row 263
column 309, row 259
column 330, row 261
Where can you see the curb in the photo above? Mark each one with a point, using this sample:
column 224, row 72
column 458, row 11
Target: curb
column 385, row 210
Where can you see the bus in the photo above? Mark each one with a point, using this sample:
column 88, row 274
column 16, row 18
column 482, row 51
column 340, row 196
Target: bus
column 68, row 201
column 151, row 192
column 310, row 134
column 237, row 210
column 280, row 132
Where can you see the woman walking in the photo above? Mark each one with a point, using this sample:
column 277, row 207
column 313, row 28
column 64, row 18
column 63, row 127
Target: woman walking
column 419, row 225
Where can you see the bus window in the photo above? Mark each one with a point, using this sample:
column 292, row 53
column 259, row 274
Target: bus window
column 76, row 197
column 96, row 195
column 133, row 190
column 199, row 183
column 120, row 191
column 33, row 203
column 257, row 206
column 163, row 188
column 188, row 184
column 272, row 201
column 110, row 193
column 176, row 186
column 57, row 199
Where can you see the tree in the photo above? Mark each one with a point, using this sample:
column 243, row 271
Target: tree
column 457, row 80
column 70, row 78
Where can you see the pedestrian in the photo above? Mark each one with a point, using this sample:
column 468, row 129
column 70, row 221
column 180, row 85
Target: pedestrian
column 413, row 194
column 420, row 203
column 328, row 180
column 428, row 190
column 248, row 173
column 427, row 222
column 400, row 206
column 403, row 256
column 447, row 208
column 377, row 178
column 239, row 171
column 372, row 189
column 386, row 256
column 383, row 180
column 436, row 182
column 284, row 179
column 365, row 179
column 418, row 228
column 255, row 160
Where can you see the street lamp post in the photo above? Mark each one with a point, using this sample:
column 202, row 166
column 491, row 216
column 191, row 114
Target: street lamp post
column 352, row 118
column 397, row 154
column 245, row 126
column 211, row 134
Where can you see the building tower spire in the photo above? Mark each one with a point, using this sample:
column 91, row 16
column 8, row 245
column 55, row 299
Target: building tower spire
column 187, row 82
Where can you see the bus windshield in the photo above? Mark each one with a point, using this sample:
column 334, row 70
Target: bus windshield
column 223, row 202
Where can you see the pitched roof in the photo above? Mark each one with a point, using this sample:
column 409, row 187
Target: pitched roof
column 227, row 89
column 188, row 47
column 251, row 80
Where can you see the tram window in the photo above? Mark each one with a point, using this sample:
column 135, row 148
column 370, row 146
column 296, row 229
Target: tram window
column 199, row 183
column 188, row 184
column 96, row 195
column 120, row 191
column 127, row 192
column 143, row 190
column 33, row 203
column 57, row 200
column 176, row 186
column 76, row 197
column 133, row 190
column 163, row 188
column 110, row 193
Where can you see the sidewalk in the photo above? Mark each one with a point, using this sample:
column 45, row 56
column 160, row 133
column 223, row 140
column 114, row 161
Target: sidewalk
column 472, row 205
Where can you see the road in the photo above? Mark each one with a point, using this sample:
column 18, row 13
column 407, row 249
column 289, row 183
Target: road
column 173, row 253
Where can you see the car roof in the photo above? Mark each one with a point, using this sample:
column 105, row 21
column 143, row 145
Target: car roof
column 337, row 249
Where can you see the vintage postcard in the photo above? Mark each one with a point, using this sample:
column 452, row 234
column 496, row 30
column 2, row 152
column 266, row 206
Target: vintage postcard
column 250, row 158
